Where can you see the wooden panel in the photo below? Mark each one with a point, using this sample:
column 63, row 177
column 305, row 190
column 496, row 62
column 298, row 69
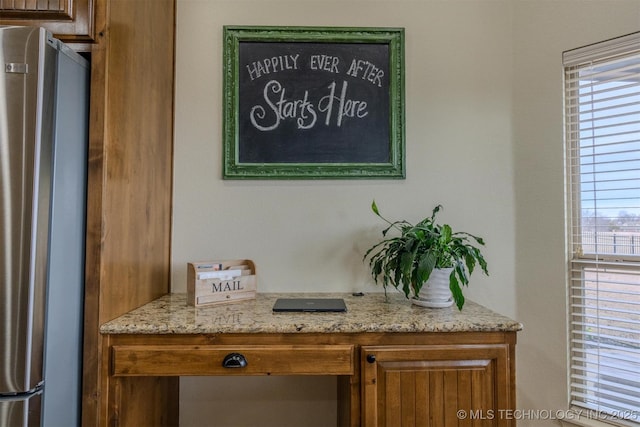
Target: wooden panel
column 408, row 387
column 348, row 396
column 436, row 390
column 464, row 396
column 71, row 21
column 137, row 149
column 261, row 360
column 451, row 395
column 423, row 397
column 130, row 174
column 146, row 402
column 427, row 386
column 393, row 339
column 401, row 408
column 36, row 6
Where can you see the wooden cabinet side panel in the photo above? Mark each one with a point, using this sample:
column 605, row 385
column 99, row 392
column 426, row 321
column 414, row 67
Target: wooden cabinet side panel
column 92, row 345
column 138, row 152
column 145, row 402
column 130, row 172
column 135, row 401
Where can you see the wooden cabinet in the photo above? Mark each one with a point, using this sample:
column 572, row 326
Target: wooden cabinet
column 131, row 48
column 129, row 198
column 395, row 365
column 383, row 379
column 71, row 21
column 438, row 386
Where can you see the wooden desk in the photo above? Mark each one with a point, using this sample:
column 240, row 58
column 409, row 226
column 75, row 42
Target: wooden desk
column 396, row 364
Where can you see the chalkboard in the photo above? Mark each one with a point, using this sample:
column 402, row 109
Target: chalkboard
column 308, row 102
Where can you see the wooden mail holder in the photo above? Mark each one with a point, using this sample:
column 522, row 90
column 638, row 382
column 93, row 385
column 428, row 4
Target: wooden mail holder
column 219, row 282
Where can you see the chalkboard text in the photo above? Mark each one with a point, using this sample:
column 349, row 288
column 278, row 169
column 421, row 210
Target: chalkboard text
column 277, row 108
column 332, row 103
column 272, row 65
column 358, row 68
column 324, row 63
column 366, row 71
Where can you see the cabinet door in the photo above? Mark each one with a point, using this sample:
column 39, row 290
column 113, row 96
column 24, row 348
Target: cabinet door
column 437, row 386
column 69, row 20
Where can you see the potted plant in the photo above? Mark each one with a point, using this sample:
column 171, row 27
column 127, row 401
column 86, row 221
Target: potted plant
column 424, row 251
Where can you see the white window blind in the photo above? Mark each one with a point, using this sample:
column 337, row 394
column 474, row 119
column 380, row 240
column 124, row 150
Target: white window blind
column 602, row 119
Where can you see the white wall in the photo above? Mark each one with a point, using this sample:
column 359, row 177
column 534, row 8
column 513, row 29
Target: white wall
column 542, row 31
column 484, row 138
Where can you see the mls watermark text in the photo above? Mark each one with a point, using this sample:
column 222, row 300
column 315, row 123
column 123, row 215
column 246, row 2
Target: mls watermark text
column 544, row 414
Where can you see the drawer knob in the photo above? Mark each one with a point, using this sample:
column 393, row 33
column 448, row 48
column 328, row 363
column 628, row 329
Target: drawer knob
column 234, row 360
column 371, row 358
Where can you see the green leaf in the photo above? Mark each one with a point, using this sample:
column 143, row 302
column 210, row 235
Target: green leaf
column 435, row 211
column 481, row 261
column 445, row 234
column 425, row 267
column 456, row 291
column 406, row 262
column 471, row 262
column 374, row 208
column 461, row 273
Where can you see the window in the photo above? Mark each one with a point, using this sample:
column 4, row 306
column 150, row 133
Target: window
column 602, row 119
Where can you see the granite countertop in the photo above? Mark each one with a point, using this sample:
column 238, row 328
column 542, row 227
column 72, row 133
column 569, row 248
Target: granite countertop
column 170, row 314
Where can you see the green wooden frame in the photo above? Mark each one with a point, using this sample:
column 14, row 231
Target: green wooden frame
column 234, row 169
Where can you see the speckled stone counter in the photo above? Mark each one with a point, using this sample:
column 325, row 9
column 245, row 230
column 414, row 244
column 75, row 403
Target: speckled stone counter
column 369, row 313
column 429, row 351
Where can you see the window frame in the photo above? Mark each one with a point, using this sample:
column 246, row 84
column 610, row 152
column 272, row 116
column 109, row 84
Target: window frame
column 578, row 260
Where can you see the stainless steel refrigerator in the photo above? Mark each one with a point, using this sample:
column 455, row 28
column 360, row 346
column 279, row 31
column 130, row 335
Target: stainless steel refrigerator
column 44, row 89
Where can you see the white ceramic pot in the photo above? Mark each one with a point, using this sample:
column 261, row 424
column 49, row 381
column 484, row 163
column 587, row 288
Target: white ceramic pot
column 435, row 292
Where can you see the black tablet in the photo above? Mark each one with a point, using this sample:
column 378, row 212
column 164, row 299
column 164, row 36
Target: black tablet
column 309, row 304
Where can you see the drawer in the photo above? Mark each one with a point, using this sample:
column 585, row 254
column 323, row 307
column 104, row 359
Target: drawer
column 176, row 360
